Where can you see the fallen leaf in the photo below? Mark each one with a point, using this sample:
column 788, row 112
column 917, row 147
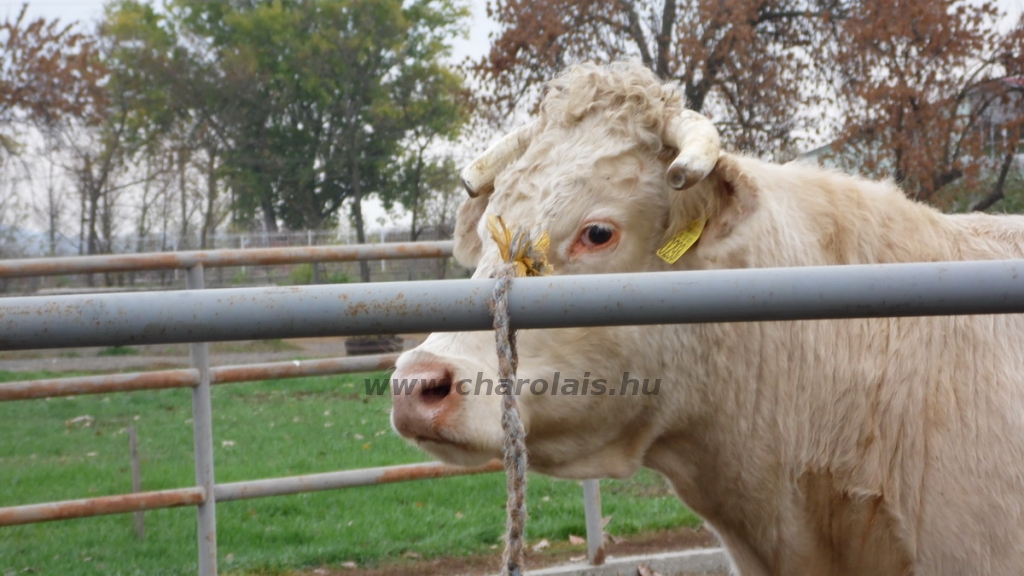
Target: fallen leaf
column 605, row 521
column 85, row 420
column 458, row 515
column 577, row 558
column 349, row 565
column 227, row 443
column 541, row 545
column 358, row 436
column 645, row 570
column 410, row 554
column 576, row 540
column 367, row 445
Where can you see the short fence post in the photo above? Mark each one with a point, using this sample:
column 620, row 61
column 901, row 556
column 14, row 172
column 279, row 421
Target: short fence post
column 202, row 426
column 592, row 512
column 133, row 453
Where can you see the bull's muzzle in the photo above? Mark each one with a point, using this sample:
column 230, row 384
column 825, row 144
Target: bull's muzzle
column 423, row 400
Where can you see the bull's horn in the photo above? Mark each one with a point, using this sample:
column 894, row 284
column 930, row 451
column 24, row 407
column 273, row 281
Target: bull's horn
column 698, row 143
column 478, row 177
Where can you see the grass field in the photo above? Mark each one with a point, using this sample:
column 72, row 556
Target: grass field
column 266, row 429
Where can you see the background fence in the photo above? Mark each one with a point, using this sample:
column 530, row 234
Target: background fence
column 201, row 376
column 546, row 302
column 243, row 274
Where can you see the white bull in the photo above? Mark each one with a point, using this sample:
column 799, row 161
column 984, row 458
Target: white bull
column 875, row 446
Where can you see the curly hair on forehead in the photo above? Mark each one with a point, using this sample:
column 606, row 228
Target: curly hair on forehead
column 625, row 93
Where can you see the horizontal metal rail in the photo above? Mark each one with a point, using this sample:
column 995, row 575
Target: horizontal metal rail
column 809, row 293
column 345, row 479
column 103, row 505
column 188, row 377
column 218, row 258
column 125, row 503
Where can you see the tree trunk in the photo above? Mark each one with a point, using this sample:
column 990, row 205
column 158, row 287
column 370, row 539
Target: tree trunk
column 269, row 214
column 357, row 219
column 182, row 189
column 209, row 216
column 414, row 232
column 357, row 207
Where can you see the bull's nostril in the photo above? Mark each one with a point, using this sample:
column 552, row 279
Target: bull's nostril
column 434, row 391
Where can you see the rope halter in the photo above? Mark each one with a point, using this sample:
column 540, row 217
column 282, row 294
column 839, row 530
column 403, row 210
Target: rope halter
column 521, row 256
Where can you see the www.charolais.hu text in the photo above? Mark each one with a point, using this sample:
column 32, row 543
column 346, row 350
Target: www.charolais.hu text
column 555, row 386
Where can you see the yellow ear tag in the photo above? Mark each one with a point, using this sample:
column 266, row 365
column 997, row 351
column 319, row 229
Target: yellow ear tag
column 683, row 241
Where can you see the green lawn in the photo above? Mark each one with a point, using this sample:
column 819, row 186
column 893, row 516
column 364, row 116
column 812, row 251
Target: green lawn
column 266, row 429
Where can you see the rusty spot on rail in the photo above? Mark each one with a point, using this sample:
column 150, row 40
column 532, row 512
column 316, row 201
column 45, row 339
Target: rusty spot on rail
column 183, row 378
column 439, row 471
column 121, row 504
column 28, row 389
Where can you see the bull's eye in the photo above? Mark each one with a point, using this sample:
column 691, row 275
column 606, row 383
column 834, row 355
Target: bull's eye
column 597, row 234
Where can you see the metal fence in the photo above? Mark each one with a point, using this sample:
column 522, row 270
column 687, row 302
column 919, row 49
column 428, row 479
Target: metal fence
column 454, row 305
column 201, row 376
column 240, row 275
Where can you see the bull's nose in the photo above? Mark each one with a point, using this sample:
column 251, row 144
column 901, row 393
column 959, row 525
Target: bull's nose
column 423, row 399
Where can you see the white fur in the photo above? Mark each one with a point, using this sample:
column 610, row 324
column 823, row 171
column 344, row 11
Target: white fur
column 875, row 446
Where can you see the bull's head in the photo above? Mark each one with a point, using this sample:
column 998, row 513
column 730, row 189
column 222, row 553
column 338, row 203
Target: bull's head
column 601, row 171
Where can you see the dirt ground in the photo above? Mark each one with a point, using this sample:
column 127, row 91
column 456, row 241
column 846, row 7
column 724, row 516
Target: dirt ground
column 558, row 553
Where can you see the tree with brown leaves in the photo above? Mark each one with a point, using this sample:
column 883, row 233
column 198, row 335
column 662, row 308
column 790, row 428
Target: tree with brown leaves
column 906, row 88
column 47, row 71
column 744, row 63
column 931, row 93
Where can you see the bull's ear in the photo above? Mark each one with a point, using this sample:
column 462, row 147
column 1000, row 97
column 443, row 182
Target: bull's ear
column 723, row 201
column 467, row 242
column 733, row 197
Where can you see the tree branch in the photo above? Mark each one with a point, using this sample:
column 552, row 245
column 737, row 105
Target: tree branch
column 664, row 39
column 637, row 33
column 997, row 193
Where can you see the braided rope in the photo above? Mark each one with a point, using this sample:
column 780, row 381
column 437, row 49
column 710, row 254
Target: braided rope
column 514, row 446
column 522, row 256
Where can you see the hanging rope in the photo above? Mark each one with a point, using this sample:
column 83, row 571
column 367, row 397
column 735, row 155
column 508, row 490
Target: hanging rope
column 521, row 256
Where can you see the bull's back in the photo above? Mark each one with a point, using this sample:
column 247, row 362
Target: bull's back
column 988, row 236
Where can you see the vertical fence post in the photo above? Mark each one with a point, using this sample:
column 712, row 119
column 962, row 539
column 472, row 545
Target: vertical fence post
column 202, row 426
column 595, row 532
